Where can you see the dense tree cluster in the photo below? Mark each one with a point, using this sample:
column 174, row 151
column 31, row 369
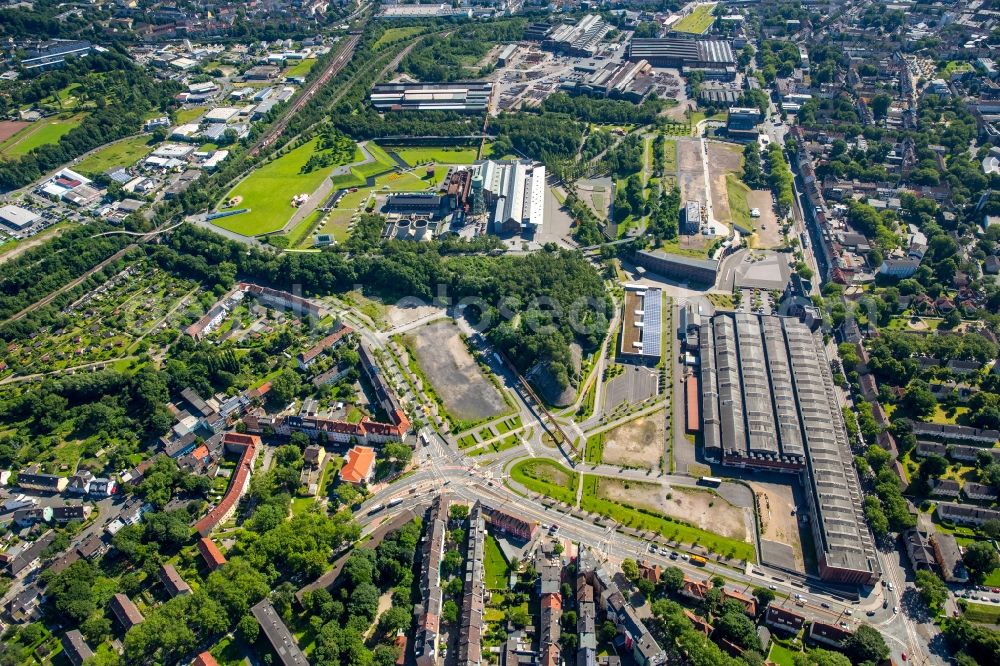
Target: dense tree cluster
column 549, row 137
column 604, row 111
column 518, row 290
column 778, row 58
column 973, row 644
column 445, row 57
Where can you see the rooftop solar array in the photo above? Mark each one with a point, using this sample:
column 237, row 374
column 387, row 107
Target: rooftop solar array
column 652, row 319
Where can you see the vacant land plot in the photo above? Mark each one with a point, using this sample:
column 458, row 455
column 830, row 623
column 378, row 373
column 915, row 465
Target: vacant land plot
column 182, row 116
column 122, row 154
column 39, row 133
column 495, row 568
column 982, row 613
column 691, row 171
column 737, row 193
column 723, row 159
column 702, row 508
column 268, row 192
column 546, row 477
column 454, row 375
column 644, row 506
column 393, row 34
column 423, row 155
column 670, row 160
column 775, row 504
column 402, row 313
column 638, row 443
column 698, row 21
column 301, row 68
column 768, row 231
column 9, row 128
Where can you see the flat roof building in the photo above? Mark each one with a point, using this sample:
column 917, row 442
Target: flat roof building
column 282, row 641
column 769, row 403
column 703, row 271
column 461, row 96
column 642, row 323
column 17, row 218
column 670, row 52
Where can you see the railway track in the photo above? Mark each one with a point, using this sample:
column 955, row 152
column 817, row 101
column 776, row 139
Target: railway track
column 337, row 64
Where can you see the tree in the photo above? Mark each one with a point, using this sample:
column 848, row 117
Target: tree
column 932, row 589
column 738, row 628
column 764, row 596
column 880, row 106
column 385, row 655
column 991, row 528
column 285, row 387
column 519, row 617
column 248, row 629
column 393, row 620
column 449, row 612
column 933, row 466
column 458, row 512
column 606, row 632
column 363, row 601
column 877, row 457
column 919, row 400
column 672, row 579
column 980, row 560
column 819, row 657
column 630, row 569
column 867, row 644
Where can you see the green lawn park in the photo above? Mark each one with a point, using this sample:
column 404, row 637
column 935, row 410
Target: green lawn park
column 268, row 192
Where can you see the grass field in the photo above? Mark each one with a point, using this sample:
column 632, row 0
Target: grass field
column 182, row 116
column 268, row 192
column 670, row 159
column 359, row 175
column 124, row 153
column 595, row 448
column 982, row 613
column 301, row 68
column 401, row 182
column 392, row 34
column 40, row 133
column 495, row 567
column 673, row 247
column 781, row 656
column 663, row 525
column 698, row 21
column 546, row 477
column 415, row 156
column 737, row 192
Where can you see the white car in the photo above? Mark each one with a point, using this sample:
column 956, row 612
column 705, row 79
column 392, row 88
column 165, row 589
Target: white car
column 895, row 610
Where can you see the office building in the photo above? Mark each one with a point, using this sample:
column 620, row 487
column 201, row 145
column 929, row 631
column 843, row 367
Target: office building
column 642, row 323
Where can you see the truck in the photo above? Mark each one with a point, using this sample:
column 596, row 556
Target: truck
column 712, row 481
column 699, row 560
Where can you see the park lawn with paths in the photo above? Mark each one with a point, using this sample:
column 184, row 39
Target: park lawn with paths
column 439, row 155
column 665, row 526
column 39, row 133
column 495, row 566
column 122, row 154
column 737, row 192
column 268, row 192
column 698, row 21
column 546, row 477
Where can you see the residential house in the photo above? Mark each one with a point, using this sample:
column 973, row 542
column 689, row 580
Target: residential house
column 828, row 634
column 125, row 611
column 783, row 619
column 172, row 581
column 979, row 492
column 359, row 466
column 75, row 648
column 210, row 553
column 948, row 557
column 965, row 514
column 31, row 479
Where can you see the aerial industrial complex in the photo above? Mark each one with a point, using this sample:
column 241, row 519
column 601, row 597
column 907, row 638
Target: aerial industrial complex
column 768, row 403
column 461, row 96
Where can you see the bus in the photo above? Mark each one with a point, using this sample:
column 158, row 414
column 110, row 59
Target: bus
column 424, row 439
column 375, row 509
column 712, row 481
column 699, row 560
column 395, row 502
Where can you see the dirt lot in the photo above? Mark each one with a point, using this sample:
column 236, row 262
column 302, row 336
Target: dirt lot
column 689, row 505
column 444, row 358
column 691, row 173
column 768, row 234
column 9, row 128
column 403, row 313
column 776, row 502
column 638, row 443
column 723, row 158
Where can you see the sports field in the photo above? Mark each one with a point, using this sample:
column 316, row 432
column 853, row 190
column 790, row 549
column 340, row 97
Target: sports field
column 40, row 133
column 268, row 192
column 124, row 153
column 698, row 21
column 423, row 155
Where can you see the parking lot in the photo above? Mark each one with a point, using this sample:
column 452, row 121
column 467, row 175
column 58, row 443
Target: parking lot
column 636, row 384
